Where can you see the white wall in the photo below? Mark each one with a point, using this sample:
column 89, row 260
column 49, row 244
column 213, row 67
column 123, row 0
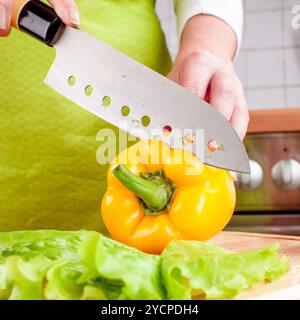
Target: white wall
column 269, row 60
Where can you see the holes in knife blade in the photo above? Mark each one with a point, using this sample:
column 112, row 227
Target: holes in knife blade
column 212, row 145
column 189, row 139
column 145, row 121
column 72, row 80
column 167, row 130
column 88, row 90
column 106, row 101
column 125, row 111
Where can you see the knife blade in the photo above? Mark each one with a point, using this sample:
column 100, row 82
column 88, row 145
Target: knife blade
column 104, row 81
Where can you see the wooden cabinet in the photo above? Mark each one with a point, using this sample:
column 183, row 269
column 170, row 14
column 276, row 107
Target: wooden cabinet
column 276, row 120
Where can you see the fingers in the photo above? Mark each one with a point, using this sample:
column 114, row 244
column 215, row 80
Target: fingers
column 227, row 97
column 214, row 79
column 240, row 117
column 224, row 89
column 67, row 11
column 5, row 17
column 195, row 73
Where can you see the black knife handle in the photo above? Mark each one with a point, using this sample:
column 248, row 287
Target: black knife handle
column 38, row 20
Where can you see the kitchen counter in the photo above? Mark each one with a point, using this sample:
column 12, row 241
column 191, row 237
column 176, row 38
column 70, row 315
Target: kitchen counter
column 288, row 287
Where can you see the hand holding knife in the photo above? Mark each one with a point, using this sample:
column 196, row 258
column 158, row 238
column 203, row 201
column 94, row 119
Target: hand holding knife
column 111, row 73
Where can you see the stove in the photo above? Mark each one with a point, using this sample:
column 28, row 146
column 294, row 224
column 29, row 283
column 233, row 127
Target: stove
column 268, row 199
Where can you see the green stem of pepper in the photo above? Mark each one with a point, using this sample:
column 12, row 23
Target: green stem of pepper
column 153, row 188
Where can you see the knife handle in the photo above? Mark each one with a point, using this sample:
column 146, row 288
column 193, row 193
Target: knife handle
column 38, row 20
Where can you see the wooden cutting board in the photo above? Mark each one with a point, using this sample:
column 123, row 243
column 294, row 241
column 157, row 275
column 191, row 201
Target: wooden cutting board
column 286, row 288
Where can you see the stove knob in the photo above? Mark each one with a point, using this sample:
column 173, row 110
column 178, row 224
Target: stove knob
column 286, row 174
column 246, row 181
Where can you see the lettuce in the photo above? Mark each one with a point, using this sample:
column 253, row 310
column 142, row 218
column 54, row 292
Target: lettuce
column 75, row 265
column 29, row 258
column 60, row 265
column 192, row 269
column 51, row 244
column 136, row 274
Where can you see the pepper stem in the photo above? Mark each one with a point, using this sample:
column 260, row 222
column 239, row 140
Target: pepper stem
column 152, row 188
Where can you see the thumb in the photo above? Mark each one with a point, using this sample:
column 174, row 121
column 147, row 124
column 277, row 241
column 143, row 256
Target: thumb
column 67, row 11
column 5, row 17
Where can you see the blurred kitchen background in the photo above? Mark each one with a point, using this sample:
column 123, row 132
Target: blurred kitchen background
column 268, row 64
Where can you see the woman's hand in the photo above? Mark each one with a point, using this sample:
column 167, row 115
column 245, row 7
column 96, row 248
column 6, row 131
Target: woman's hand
column 66, row 9
column 203, row 66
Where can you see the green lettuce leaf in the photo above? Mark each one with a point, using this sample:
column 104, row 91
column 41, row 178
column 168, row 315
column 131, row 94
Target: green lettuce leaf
column 62, row 282
column 119, row 268
column 60, row 265
column 24, row 278
column 78, row 265
column 192, row 269
column 52, row 244
column 29, row 259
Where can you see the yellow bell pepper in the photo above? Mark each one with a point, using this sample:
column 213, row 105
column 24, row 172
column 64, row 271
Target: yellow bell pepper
column 162, row 194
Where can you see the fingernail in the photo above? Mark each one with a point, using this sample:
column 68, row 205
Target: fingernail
column 2, row 18
column 234, row 176
column 74, row 17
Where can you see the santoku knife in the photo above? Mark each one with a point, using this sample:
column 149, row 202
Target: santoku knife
column 126, row 93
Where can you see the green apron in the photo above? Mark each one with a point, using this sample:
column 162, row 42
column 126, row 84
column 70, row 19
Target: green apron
column 49, row 176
